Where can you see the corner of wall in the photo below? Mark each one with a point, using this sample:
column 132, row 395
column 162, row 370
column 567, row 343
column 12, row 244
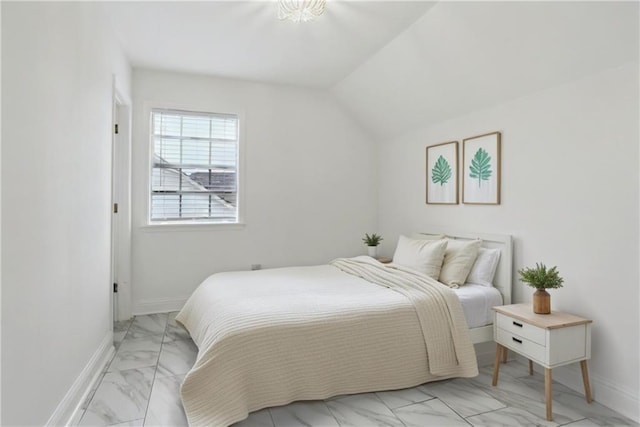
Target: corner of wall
column 70, row 409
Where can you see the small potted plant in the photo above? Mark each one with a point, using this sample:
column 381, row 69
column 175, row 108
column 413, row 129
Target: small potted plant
column 372, row 241
column 541, row 278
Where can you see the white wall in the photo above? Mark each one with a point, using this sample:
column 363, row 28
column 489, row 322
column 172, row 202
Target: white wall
column 57, row 68
column 569, row 197
column 310, row 190
column 462, row 56
column 0, row 226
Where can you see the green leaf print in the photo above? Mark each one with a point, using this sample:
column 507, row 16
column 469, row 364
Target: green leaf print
column 441, row 171
column 480, row 166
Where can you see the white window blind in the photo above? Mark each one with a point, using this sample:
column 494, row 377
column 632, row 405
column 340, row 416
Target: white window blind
column 194, row 169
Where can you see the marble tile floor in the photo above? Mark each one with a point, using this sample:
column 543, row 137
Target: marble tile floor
column 140, row 387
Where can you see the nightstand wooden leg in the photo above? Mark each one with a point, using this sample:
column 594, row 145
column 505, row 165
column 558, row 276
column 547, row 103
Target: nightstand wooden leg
column 496, row 365
column 547, row 392
column 530, row 367
column 585, row 380
column 505, row 353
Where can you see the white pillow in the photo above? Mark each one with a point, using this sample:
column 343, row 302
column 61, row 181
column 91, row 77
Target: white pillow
column 458, row 260
column 484, row 269
column 422, row 255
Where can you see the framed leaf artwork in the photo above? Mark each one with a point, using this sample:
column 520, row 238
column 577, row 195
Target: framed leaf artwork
column 442, row 173
column 481, row 169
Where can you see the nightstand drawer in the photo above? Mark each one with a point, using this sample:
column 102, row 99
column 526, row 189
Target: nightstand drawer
column 518, row 343
column 523, row 329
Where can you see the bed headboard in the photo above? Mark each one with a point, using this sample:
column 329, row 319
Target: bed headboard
column 503, row 279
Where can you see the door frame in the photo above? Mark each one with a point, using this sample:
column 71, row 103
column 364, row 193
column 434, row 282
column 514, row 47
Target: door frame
column 120, row 261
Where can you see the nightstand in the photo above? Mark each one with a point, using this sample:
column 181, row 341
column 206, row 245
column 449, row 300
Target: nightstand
column 383, row 260
column 550, row 340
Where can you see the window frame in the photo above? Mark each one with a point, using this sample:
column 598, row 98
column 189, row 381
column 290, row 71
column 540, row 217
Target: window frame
column 195, row 224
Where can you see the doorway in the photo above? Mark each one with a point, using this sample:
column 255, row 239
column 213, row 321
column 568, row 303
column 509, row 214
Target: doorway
column 121, row 210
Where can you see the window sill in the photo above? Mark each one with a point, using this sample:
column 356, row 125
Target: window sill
column 188, row 226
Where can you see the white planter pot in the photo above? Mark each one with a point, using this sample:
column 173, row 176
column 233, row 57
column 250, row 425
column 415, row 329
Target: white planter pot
column 373, row 251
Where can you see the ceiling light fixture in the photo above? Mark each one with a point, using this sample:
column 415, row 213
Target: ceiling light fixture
column 300, row 10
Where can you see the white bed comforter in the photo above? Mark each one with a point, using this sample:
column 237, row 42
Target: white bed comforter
column 270, row 337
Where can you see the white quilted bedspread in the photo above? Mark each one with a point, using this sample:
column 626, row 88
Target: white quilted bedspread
column 270, row 337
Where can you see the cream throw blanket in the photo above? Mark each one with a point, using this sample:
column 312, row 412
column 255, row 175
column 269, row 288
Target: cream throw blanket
column 270, row 337
column 444, row 327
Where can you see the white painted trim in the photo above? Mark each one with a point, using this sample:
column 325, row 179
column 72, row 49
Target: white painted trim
column 0, row 235
column 190, row 226
column 121, row 189
column 158, row 305
column 620, row 399
column 69, row 410
column 210, row 107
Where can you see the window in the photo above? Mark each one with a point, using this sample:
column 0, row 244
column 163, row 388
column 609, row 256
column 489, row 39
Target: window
column 194, row 167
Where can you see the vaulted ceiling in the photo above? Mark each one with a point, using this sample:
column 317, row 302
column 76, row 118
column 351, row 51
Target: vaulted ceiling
column 245, row 40
column 463, row 56
column 395, row 65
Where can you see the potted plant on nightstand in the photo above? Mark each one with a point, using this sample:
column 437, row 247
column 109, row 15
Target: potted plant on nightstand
column 542, row 279
column 372, row 241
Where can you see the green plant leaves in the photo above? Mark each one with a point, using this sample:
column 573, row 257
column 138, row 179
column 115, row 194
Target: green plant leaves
column 441, row 171
column 372, row 240
column 480, row 166
column 540, row 277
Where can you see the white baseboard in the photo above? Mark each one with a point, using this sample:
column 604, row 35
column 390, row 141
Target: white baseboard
column 69, row 409
column 620, row 399
column 159, row 305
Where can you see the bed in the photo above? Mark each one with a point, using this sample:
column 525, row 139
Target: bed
column 271, row 337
